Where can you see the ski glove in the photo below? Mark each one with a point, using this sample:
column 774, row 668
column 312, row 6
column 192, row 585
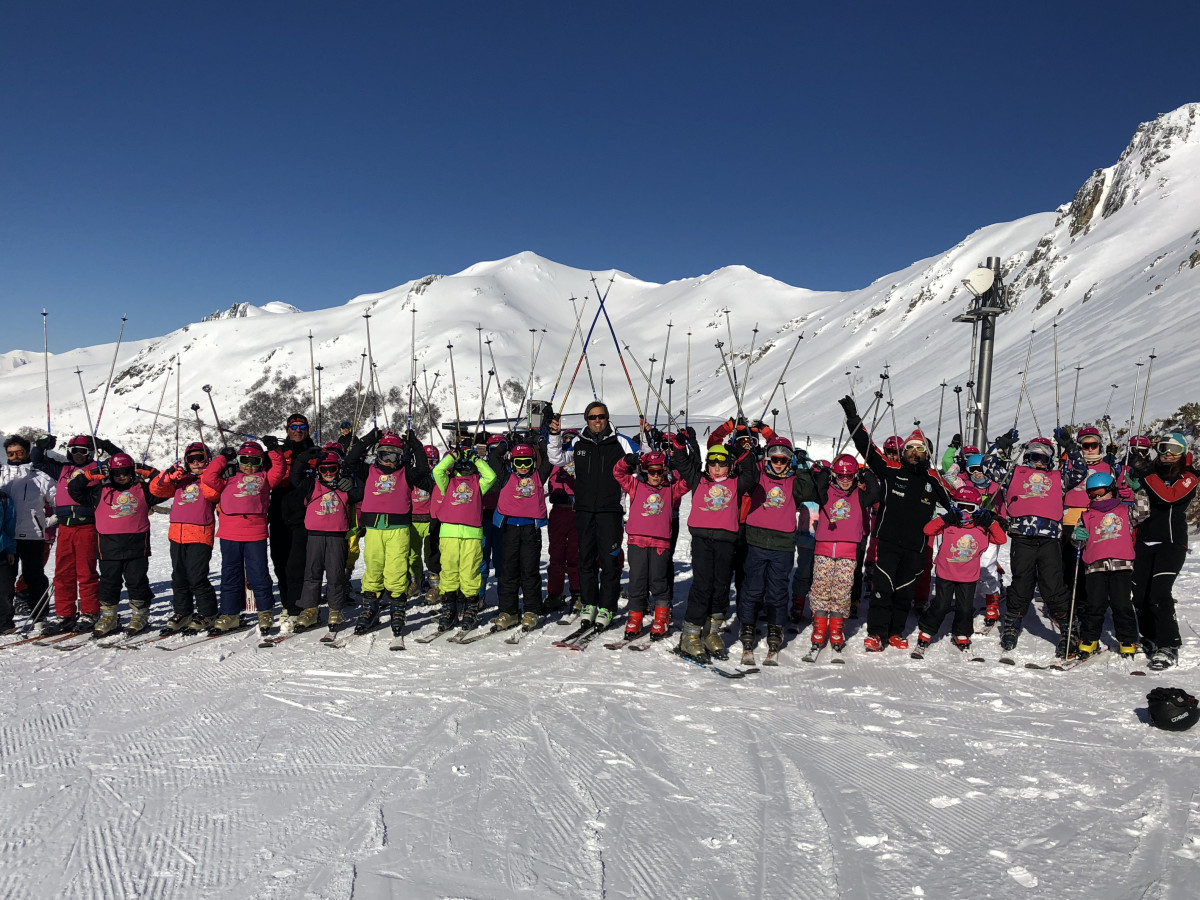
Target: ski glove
column 849, row 407
column 1065, row 439
column 46, row 443
column 631, row 461
column 107, row 446
column 345, row 483
column 952, row 516
column 983, row 518
column 271, row 442
column 1005, row 441
column 229, row 453
column 956, row 441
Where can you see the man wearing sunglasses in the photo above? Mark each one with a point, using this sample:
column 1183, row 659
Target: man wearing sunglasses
column 30, row 490
column 911, row 491
column 76, row 578
column 1168, row 483
column 598, row 511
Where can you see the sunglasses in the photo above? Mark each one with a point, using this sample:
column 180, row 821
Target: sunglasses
column 1092, row 444
column 297, row 428
column 597, row 418
column 656, row 470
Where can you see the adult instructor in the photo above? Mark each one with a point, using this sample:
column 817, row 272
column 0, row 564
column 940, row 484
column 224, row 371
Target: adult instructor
column 598, row 511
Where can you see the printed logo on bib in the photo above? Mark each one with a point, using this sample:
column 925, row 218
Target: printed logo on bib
column 524, row 487
column 384, row 484
column 717, row 498
column 840, row 511
column 653, row 505
column 251, row 486
column 419, row 495
column 190, row 494
column 775, row 497
column 462, row 494
column 1037, row 485
column 330, row 505
column 964, row 549
column 124, row 504
column 1108, row 528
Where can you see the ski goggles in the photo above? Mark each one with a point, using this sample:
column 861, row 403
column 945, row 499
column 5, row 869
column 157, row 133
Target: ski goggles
column 717, row 459
column 523, row 462
column 80, row 448
column 779, row 457
column 1169, row 446
column 328, row 469
column 390, row 457
column 195, row 458
column 1099, row 490
column 967, row 507
column 250, row 462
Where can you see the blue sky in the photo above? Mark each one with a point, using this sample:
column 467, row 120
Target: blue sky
column 167, row 159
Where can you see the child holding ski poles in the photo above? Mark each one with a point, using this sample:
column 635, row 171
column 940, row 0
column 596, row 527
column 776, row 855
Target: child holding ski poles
column 966, row 531
column 463, row 479
column 423, row 538
column 191, row 534
column 653, row 496
column 520, row 516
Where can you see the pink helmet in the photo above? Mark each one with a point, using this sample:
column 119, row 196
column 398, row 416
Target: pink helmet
column 80, row 440
column 1088, row 431
column 779, row 446
column 894, row 443
column 493, row 439
column 523, row 451
column 970, row 450
column 431, row 454
column 653, row 459
column 121, row 461
column 329, row 458
column 193, row 448
column 1141, row 442
column 967, row 494
column 845, row 466
column 391, row 440
column 335, row 447
column 251, row 448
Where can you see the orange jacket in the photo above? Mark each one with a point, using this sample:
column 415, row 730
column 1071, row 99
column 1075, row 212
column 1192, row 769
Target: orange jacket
column 164, row 485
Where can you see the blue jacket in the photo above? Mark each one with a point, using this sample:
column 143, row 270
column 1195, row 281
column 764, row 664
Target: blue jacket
column 8, row 525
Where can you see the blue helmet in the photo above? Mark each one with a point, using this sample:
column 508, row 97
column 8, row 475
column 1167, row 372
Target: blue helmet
column 1099, row 481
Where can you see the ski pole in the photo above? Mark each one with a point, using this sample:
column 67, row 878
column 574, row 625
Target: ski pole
column 1146, row 392
column 642, row 372
column 787, row 408
column 1057, row 413
column 749, row 361
column 891, row 399
column 1032, row 411
column 483, row 401
column 362, row 367
column 850, row 437
column 570, row 345
column 958, row 397
column 729, row 334
column 320, row 409
column 662, row 375
column 1108, row 405
column 620, row 355
column 942, row 402
column 647, row 403
column 587, row 340
column 500, row 385
column 199, row 424
column 670, row 383
column 1132, row 407
column 529, row 384
column 1074, row 589
column 412, row 369
column 46, row 366
column 1075, row 395
column 729, row 374
column 208, row 390
column 86, row 412
column 1024, row 377
column 111, row 370
column 427, row 400
column 154, row 424
column 783, row 375
column 312, row 375
column 374, row 385
column 454, row 385
column 687, row 388
column 178, row 367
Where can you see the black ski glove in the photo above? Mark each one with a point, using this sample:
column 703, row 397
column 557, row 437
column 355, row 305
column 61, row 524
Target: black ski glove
column 952, row 516
column 1065, row 438
column 46, row 443
column 983, row 518
column 344, row 483
column 229, row 453
column 849, row 407
column 107, row 446
column 956, row 441
column 631, row 461
column 271, row 442
column 1005, row 441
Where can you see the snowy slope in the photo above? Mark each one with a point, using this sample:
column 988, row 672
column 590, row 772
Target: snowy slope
column 1118, row 269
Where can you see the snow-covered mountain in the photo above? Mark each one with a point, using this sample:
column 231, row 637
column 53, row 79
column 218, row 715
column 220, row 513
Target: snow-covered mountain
column 1117, row 269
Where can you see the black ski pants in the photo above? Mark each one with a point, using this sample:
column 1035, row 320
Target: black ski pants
column 280, row 540
column 712, row 573
column 896, row 574
column 32, row 557
column 291, row 583
column 1109, row 590
column 325, row 560
column 520, row 569
column 600, row 539
column 950, row 595
column 7, row 579
column 1154, row 571
column 134, row 573
column 1036, row 560
column 649, row 577
column 191, row 591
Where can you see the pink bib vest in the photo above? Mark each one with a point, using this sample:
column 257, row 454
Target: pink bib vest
column 841, row 517
column 958, row 555
column 715, row 506
column 1033, row 492
column 462, row 504
column 1109, row 535
column 246, row 495
column 522, row 498
column 327, row 510
column 650, row 512
column 62, row 497
column 386, row 492
column 1077, row 496
column 420, row 502
column 122, row 511
column 435, row 503
column 771, row 504
column 190, row 507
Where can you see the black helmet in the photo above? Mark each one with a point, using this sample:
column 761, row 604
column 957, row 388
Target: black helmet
column 1172, row 709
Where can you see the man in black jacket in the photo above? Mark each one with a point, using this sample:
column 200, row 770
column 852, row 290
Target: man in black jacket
column 599, row 515
column 911, row 490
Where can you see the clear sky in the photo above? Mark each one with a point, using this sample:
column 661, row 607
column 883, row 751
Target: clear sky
column 169, row 159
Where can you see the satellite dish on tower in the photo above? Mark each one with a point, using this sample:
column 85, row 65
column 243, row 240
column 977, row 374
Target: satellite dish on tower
column 980, row 281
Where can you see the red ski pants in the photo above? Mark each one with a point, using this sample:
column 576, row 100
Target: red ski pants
column 75, row 572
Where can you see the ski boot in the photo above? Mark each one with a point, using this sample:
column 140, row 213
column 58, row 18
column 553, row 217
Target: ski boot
column 225, row 624
column 774, row 638
column 690, row 643
column 837, row 638
column 505, row 621
column 897, row 642
column 1087, row 648
column 1164, row 658
column 530, row 620
column 336, row 619
column 108, row 622
column 448, row 614
column 434, row 594
column 923, row 641
column 661, row 623
column 287, row 622
column 175, row 624
column 199, row 625
column 470, row 614
column 820, row 631
column 991, row 610
column 748, row 635
column 414, row 588
column 61, row 626
column 1128, row 651
column 266, row 618
column 139, row 620
column 85, row 624
column 712, row 639
column 306, row 620
column 576, row 603
column 1067, row 649
column 962, row 642
column 633, row 625
column 587, row 615
column 1010, row 631
column 368, row 616
column 604, row 619
column 797, row 611
column 872, row 643
column 399, row 613
column 553, row 602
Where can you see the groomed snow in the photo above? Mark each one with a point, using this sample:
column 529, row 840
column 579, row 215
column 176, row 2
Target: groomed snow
column 492, row 771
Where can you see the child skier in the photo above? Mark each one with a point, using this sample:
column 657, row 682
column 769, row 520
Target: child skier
column 653, row 495
column 463, row 478
column 122, row 501
column 240, row 484
column 423, row 539
column 191, row 534
column 564, row 536
column 845, row 495
column 520, row 516
column 1104, row 536
column 966, row 531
